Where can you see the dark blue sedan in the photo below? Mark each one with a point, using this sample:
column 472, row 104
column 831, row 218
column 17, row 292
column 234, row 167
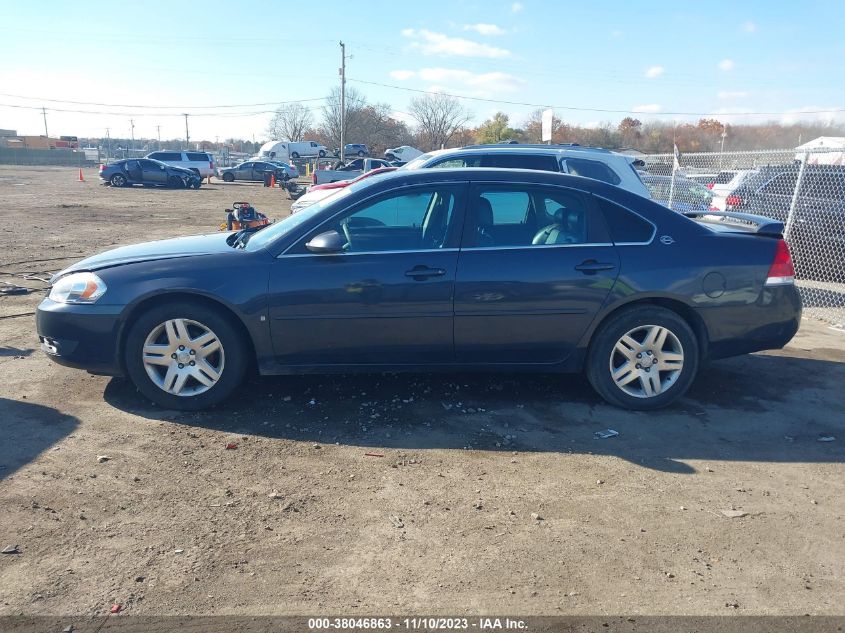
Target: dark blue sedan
column 435, row 269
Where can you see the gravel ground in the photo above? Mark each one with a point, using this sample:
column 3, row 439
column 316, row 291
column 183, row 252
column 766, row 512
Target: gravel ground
column 394, row 493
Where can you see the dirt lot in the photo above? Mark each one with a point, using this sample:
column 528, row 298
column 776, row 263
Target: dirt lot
column 399, row 494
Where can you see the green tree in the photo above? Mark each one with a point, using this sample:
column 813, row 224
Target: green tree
column 496, row 130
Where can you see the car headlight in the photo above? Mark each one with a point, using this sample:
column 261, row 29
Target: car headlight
column 78, row 288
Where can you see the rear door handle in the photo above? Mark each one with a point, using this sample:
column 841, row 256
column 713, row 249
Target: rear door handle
column 420, row 273
column 591, row 266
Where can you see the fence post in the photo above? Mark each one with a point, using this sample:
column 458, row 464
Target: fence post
column 791, row 213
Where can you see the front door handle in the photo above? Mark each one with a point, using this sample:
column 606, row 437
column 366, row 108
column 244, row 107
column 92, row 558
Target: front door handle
column 591, row 266
column 420, row 273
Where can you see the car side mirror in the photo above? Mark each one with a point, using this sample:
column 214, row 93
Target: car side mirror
column 326, row 243
column 161, row 167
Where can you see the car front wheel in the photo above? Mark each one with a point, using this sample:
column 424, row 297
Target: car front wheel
column 643, row 358
column 184, row 356
column 228, row 177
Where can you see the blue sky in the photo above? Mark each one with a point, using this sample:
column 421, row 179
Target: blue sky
column 650, row 59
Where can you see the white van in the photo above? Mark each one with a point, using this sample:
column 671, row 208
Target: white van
column 286, row 151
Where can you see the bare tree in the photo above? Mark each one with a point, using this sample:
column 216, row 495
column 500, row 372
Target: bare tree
column 290, row 122
column 330, row 128
column 439, row 117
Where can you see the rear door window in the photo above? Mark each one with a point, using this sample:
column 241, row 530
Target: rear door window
column 198, row 157
column 591, row 169
column 458, row 161
column 541, row 162
column 168, row 156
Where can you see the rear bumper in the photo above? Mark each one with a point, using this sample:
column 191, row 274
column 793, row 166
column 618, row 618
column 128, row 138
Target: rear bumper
column 769, row 323
column 80, row 336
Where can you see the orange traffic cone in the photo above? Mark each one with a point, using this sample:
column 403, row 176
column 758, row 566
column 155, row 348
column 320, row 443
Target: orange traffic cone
column 81, row 177
column 272, row 180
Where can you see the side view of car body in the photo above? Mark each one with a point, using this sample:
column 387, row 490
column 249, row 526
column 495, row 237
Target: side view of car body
column 460, row 269
column 354, row 149
column 254, row 171
column 402, row 153
column 147, row 172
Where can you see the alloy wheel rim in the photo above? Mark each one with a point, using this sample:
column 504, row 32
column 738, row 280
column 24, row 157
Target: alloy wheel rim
column 183, row 357
column 646, row 361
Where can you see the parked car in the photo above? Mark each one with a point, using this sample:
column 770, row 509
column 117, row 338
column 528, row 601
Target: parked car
column 510, row 270
column 403, row 153
column 353, row 149
column 349, row 171
column 687, row 195
column 254, row 170
column 319, row 192
column 724, row 183
column 200, row 162
column 591, row 162
column 817, row 225
column 148, row 172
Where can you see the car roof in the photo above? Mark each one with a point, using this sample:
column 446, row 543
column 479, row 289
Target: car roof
column 495, row 174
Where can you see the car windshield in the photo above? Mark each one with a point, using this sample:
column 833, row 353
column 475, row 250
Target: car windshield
column 262, row 238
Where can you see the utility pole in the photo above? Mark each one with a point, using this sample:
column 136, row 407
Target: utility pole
column 108, row 146
column 44, row 114
column 187, row 136
column 722, row 148
column 158, row 129
column 132, row 147
column 342, row 99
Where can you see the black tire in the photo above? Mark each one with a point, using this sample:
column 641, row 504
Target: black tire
column 601, row 355
column 228, row 177
column 233, row 344
column 322, row 154
column 360, row 153
column 295, row 155
column 197, row 184
column 118, row 180
column 174, row 182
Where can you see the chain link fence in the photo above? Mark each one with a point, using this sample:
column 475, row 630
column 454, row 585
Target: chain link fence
column 805, row 190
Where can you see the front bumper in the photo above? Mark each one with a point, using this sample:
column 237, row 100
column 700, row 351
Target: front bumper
column 81, row 336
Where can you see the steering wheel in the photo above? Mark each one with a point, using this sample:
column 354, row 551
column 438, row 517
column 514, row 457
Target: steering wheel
column 563, row 237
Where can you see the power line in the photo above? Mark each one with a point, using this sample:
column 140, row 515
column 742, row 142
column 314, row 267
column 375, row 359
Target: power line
column 181, row 107
column 144, row 114
column 577, row 109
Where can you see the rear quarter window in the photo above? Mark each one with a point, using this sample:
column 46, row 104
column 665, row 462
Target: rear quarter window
column 592, row 169
column 199, row 157
column 624, row 225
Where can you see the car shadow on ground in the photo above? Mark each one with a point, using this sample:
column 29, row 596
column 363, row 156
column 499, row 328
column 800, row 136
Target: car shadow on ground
column 28, row 430
column 754, row 408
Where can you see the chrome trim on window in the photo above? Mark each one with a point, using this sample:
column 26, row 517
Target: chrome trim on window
column 421, row 250
column 534, row 246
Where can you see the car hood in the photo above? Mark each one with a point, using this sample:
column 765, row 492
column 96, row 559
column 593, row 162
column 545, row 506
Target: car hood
column 183, row 170
column 150, row 251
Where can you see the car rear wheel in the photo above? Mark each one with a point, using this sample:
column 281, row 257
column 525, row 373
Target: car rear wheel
column 184, row 356
column 360, row 153
column 228, row 177
column 295, row 155
column 643, row 358
column 118, row 180
column 322, row 154
column 197, row 184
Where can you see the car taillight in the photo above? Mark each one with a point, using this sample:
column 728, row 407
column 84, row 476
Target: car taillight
column 710, row 185
column 733, row 201
column 313, row 178
column 712, row 208
column 781, row 271
column 102, row 167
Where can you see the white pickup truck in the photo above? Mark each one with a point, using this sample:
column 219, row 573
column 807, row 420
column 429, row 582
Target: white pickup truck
column 350, row 170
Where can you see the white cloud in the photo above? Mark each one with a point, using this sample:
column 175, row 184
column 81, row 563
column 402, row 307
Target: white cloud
column 431, row 43
column 648, row 108
column 481, row 83
column 821, row 114
column 516, row 7
column 726, row 64
column 749, row 27
column 728, row 94
column 654, row 71
column 402, row 75
column 485, row 29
